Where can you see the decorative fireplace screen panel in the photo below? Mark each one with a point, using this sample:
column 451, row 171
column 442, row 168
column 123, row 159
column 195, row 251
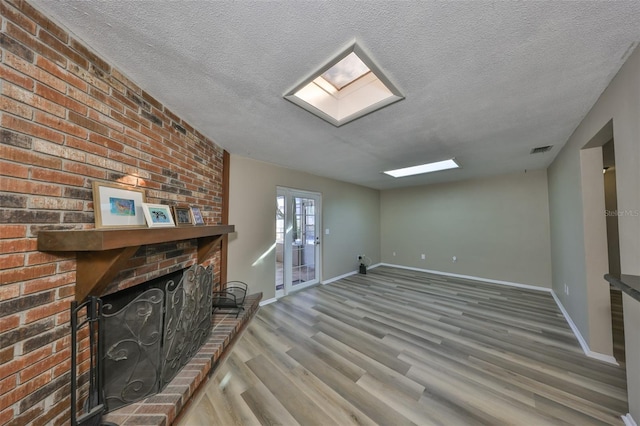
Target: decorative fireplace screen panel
column 152, row 333
column 187, row 319
column 132, row 349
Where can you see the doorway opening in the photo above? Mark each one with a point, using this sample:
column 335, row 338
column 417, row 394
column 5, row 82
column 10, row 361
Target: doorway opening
column 601, row 245
column 613, row 247
column 298, row 254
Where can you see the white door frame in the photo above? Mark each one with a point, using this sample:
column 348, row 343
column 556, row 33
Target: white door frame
column 290, row 194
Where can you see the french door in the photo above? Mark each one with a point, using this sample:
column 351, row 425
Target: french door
column 297, row 239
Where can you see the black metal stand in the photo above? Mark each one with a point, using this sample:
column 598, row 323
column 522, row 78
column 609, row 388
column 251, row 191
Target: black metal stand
column 94, row 405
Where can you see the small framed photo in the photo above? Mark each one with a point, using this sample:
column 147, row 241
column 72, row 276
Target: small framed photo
column 158, row 215
column 182, row 216
column 118, row 206
column 197, row 216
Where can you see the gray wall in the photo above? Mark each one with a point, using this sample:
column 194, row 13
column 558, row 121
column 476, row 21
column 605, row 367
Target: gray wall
column 351, row 213
column 497, row 227
column 570, row 197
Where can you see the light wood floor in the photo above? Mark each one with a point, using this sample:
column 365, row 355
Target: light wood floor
column 397, row 347
column 617, row 324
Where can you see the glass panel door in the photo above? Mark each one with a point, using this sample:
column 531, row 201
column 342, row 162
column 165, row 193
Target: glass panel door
column 297, row 239
column 304, row 241
column 280, row 227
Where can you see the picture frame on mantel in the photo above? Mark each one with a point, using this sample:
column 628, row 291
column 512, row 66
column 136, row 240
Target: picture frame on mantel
column 118, row 206
column 197, row 216
column 182, row 216
column 158, row 215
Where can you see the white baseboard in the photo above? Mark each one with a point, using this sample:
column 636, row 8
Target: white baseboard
column 324, row 282
column 339, row 277
column 348, row 274
column 268, row 301
column 469, row 277
column 583, row 343
column 628, row 420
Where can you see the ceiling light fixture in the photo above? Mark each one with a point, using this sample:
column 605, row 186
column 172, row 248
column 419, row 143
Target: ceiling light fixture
column 423, row 168
column 346, row 88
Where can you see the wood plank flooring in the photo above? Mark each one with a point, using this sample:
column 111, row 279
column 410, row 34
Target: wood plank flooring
column 617, row 324
column 398, row 347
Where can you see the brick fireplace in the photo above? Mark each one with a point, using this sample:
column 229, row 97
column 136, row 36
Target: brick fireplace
column 69, row 118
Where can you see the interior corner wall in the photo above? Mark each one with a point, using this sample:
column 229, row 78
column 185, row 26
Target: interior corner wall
column 497, row 227
column 620, row 102
column 350, row 212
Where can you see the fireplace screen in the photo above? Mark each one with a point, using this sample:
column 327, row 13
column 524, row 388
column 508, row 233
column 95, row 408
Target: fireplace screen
column 152, row 331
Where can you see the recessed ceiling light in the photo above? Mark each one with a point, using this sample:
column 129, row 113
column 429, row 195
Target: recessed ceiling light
column 424, row 168
column 347, row 87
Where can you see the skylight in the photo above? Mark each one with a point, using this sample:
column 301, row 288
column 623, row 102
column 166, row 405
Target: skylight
column 348, row 87
column 346, row 71
column 423, row 168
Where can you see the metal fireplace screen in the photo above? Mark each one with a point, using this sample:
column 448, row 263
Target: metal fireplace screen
column 86, row 316
column 151, row 332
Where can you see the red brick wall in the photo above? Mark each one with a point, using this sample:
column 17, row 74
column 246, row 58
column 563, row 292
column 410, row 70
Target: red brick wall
column 69, row 118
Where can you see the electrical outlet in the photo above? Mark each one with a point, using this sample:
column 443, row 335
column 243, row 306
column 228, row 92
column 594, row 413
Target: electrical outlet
column 394, row 254
column 454, row 259
column 423, row 256
column 359, row 257
column 566, row 289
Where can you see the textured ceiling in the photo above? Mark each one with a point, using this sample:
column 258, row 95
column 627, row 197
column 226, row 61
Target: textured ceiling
column 485, row 82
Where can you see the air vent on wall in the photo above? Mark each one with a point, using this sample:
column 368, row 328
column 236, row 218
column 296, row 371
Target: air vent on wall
column 541, row 149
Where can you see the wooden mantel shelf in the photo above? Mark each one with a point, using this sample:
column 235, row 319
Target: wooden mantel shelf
column 103, row 252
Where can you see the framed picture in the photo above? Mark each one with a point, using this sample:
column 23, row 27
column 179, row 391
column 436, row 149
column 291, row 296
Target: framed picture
column 118, row 206
column 197, row 216
column 158, row 215
column 182, row 216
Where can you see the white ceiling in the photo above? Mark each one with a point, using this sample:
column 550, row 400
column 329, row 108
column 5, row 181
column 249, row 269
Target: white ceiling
column 485, row 82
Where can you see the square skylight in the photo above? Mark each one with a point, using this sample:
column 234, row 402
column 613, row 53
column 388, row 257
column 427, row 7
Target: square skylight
column 346, row 71
column 346, row 88
column 423, row 168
